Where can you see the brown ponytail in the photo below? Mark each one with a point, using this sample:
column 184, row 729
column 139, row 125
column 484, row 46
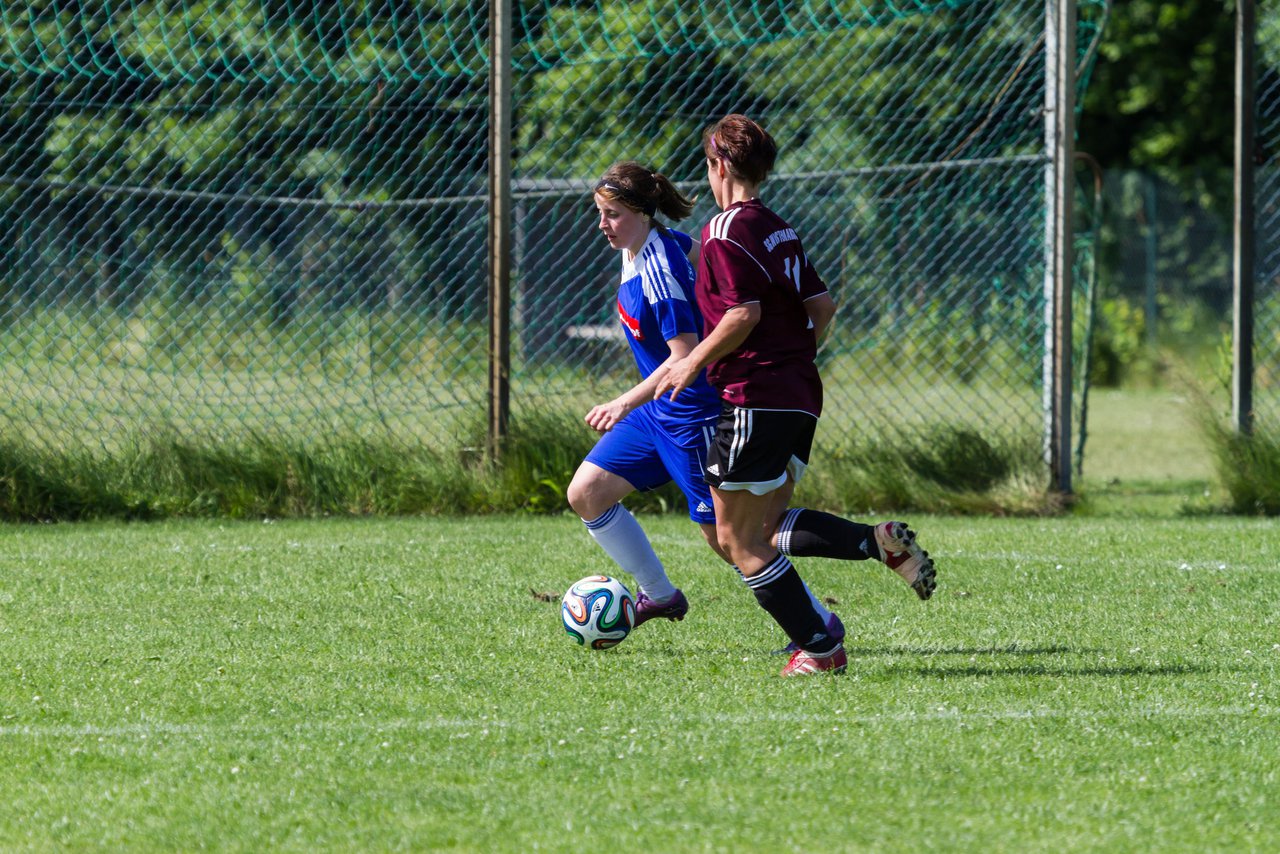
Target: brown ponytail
column 643, row 190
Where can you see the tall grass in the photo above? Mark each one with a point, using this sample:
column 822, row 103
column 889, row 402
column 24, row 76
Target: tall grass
column 164, row 475
column 944, row 468
column 161, row 473
column 1248, row 464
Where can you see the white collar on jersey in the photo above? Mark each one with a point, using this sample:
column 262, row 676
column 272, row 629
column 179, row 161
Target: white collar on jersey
column 629, row 260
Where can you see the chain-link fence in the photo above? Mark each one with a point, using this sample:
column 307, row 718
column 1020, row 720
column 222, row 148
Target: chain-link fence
column 1266, row 397
column 271, row 216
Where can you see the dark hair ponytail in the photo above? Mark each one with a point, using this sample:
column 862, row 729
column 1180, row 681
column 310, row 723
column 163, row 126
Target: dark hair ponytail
column 643, row 190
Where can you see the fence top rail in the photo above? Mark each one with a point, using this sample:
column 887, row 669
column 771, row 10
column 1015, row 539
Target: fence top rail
column 522, row 188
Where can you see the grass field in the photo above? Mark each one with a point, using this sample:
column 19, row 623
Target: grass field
column 1087, row 683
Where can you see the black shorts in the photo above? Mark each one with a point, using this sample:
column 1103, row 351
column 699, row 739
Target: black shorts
column 755, row 449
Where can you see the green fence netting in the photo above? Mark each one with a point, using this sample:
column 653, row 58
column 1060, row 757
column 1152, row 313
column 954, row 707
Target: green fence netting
column 231, row 217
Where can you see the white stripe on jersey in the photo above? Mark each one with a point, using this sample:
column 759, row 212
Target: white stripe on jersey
column 719, row 230
column 657, row 278
column 720, row 223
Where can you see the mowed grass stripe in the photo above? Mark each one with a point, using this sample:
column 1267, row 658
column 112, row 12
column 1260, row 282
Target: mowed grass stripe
column 937, row 716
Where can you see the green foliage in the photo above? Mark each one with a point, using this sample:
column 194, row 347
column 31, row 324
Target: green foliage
column 252, row 202
column 36, row 486
column 1122, row 353
column 958, row 458
column 1157, row 116
column 162, row 475
column 1266, row 340
column 955, row 328
column 1248, row 466
column 1119, row 335
column 542, row 451
column 159, row 473
column 941, row 468
column 1156, row 98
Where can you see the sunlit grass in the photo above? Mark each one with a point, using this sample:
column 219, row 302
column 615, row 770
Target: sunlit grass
column 347, row 684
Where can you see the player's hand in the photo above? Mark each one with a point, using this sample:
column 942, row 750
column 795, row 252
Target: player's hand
column 675, row 377
column 605, row 416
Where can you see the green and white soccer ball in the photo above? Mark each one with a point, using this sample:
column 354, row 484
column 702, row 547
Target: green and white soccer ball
column 598, row 612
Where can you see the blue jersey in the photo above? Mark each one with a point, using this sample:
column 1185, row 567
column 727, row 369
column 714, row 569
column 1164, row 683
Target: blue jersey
column 655, row 304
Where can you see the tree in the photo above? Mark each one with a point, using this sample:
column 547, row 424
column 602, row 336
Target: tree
column 1160, row 97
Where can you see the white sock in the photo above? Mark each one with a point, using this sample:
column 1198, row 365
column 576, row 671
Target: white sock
column 622, row 538
column 817, row 605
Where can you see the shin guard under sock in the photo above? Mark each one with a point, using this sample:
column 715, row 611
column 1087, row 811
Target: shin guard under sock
column 780, row 591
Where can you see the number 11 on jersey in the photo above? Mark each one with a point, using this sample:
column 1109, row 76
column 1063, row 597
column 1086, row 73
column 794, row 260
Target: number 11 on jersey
column 791, row 267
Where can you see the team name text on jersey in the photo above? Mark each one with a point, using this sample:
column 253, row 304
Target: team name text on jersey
column 779, row 237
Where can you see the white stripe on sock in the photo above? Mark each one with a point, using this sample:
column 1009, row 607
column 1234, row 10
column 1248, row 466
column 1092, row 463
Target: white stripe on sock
column 775, row 570
column 784, row 529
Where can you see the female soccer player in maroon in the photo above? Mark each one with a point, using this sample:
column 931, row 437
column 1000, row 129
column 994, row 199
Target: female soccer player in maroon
column 764, row 309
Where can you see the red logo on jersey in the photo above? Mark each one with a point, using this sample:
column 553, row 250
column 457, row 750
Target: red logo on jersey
column 630, row 322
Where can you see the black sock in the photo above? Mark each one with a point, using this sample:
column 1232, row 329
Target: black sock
column 812, row 533
column 780, row 591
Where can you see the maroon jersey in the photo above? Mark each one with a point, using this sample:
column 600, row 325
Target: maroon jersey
column 749, row 254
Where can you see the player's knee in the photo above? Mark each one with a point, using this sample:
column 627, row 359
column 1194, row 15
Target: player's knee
column 709, row 534
column 579, row 497
column 730, row 543
column 578, row 493
column 589, row 496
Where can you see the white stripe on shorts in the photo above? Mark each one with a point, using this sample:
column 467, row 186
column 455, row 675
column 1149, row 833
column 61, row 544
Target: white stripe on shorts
column 743, row 420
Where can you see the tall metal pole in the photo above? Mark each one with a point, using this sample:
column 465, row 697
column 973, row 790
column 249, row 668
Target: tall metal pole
column 500, row 135
column 1151, row 215
column 1059, row 127
column 1242, row 242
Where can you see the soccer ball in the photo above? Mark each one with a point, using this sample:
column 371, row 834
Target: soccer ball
column 598, row 612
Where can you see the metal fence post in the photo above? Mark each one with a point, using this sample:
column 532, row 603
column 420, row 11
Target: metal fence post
column 1242, row 241
column 499, row 212
column 1059, row 118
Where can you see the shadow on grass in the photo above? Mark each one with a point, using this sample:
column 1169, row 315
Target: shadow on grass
column 1063, row 670
column 928, row 667
column 1011, row 649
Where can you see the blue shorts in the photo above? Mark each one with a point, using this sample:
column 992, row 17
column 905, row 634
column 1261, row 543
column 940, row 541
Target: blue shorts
column 647, row 454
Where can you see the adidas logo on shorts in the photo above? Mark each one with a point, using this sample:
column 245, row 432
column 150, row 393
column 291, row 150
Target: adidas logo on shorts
column 714, row 469
column 702, row 507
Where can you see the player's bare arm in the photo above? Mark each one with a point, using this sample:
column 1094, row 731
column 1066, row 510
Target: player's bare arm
column 695, row 249
column 728, row 335
column 821, row 309
column 605, row 416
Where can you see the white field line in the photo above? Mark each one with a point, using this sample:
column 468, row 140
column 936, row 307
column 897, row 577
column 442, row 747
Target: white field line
column 160, row 728
column 480, row 725
column 1031, row 560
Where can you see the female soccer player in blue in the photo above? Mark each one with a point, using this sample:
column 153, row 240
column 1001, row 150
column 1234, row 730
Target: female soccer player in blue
column 646, row 442
column 765, row 309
